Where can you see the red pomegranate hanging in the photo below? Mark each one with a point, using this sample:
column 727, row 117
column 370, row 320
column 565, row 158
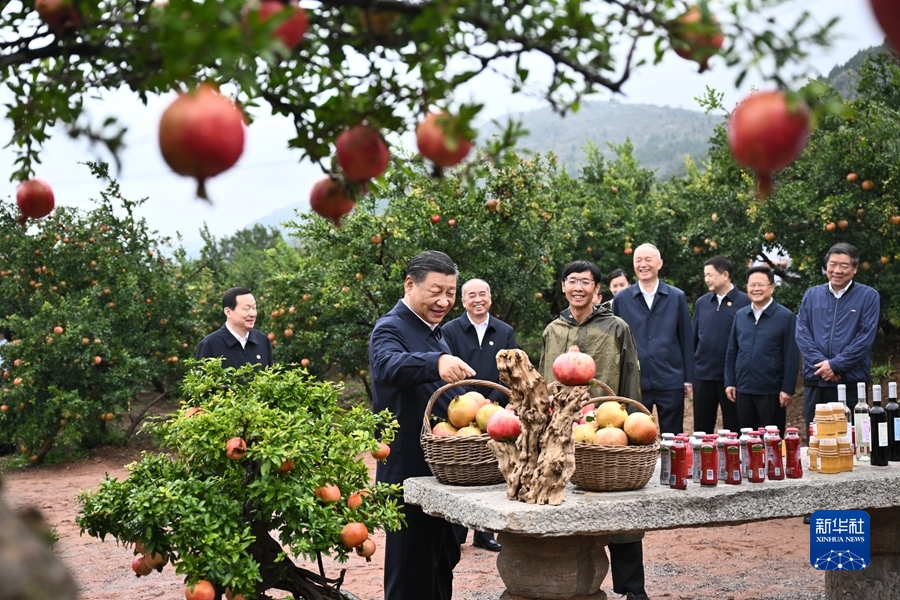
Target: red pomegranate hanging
column 887, row 13
column 694, row 38
column 766, row 133
column 34, row 198
column 201, row 134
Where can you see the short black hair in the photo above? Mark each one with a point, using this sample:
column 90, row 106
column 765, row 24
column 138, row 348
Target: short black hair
column 430, row 261
column 722, row 265
column 615, row 274
column 844, row 248
column 579, row 266
column 229, row 298
column 762, row 269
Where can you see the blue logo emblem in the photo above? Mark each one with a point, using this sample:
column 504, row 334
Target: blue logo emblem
column 839, row 540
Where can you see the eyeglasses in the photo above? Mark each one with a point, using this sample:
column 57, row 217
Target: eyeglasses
column 758, row 286
column 583, row 282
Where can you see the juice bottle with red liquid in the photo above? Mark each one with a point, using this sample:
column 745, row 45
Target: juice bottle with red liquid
column 745, row 452
column 757, row 468
column 793, row 468
column 688, row 458
column 709, row 462
column 774, row 464
column 678, row 453
column 732, row 459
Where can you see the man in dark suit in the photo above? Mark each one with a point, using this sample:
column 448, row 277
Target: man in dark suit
column 409, row 362
column 477, row 337
column 661, row 323
column 236, row 341
column 713, row 315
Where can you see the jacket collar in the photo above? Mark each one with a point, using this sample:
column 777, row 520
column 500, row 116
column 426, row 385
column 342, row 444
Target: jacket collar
column 600, row 311
column 635, row 289
column 415, row 321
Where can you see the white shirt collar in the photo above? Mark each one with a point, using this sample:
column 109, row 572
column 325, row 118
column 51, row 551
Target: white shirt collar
column 242, row 340
column 758, row 313
column 841, row 292
column 649, row 296
column 430, row 326
column 480, row 328
column 722, row 297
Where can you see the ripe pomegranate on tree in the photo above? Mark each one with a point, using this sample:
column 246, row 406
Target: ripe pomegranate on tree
column 290, row 31
column 442, row 140
column 34, row 198
column 766, row 133
column 696, row 36
column 574, row 367
column 329, row 200
column 201, row 134
column 61, row 16
column 202, row 590
column 887, row 13
column 361, row 153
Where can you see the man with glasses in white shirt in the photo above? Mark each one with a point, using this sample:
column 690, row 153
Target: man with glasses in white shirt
column 836, row 330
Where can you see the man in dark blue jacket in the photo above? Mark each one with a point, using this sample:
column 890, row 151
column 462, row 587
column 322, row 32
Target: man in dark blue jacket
column 835, row 331
column 762, row 360
column 236, row 341
column 409, row 362
column 658, row 316
column 713, row 315
column 477, row 337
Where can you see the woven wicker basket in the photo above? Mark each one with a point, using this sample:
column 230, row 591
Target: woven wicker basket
column 615, row 468
column 460, row 460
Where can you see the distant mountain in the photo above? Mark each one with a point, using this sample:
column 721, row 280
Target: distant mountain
column 844, row 77
column 662, row 136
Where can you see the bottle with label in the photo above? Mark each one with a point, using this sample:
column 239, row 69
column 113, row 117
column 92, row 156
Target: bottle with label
column 774, row 463
column 665, row 458
column 862, row 424
column 696, row 442
column 678, row 452
column 792, row 467
column 813, row 455
column 709, row 462
column 720, row 452
column 745, row 451
column 892, row 412
column 732, row 459
column 878, row 421
column 757, row 470
column 688, row 457
column 842, row 398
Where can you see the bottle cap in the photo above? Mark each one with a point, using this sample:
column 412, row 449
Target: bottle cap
column 667, row 436
column 861, row 390
column 792, row 430
column 842, row 392
column 699, row 433
column 876, row 393
column 746, row 430
column 892, row 389
column 724, row 431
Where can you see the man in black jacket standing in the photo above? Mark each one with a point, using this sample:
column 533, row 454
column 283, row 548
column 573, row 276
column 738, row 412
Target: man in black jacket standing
column 477, row 337
column 236, row 341
column 410, row 361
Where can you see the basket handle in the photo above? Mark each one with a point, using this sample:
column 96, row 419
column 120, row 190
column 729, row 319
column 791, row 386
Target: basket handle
column 426, row 418
column 597, row 382
column 623, row 400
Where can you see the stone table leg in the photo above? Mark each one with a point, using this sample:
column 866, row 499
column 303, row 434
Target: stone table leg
column 552, row 568
column 879, row 580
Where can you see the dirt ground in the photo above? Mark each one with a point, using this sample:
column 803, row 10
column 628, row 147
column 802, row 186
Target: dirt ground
column 759, row 561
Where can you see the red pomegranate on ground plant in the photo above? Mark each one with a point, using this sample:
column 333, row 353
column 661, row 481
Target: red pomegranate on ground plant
column 236, row 448
column 329, row 200
column 201, row 134
column 361, row 153
column 140, row 567
column 696, row 36
column 366, row 549
column 354, row 534
column 291, row 29
column 202, row 590
column 766, row 132
column 887, row 13
column 574, row 367
column 34, row 198
column 442, row 140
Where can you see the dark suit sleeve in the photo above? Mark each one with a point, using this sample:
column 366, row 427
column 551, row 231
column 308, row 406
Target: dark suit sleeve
column 685, row 338
column 695, row 329
column 791, row 357
column 394, row 365
column 731, row 353
column 204, row 349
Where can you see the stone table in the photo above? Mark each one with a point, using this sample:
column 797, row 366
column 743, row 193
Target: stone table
column 556, row 552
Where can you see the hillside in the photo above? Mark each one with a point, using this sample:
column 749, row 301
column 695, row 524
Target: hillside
column 662, row 136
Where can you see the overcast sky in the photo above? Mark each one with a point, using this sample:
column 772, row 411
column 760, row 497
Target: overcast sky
column 269, row 176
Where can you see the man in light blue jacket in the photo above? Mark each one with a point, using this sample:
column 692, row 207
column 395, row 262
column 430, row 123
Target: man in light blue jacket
column 835, row 331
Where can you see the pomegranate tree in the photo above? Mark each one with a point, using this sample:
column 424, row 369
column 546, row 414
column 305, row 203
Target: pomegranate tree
column 291, row 29
column 329, row 200
column 766, row 132
column 887, row 13
column 34, row 199
column 574, row 367
column 442, row 140
column 361, row 153
column 696, row 35
column 201, row 134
